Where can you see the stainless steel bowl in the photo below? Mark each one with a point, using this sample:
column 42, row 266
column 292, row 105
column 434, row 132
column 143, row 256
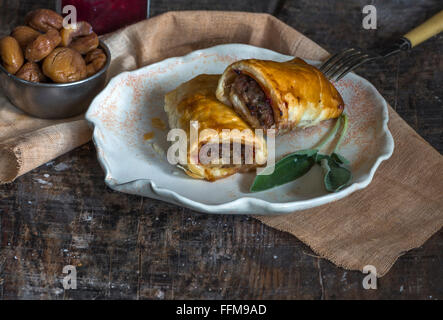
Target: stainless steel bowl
column 54, row 100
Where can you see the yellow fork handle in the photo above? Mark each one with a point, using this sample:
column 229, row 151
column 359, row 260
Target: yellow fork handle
column 426, row 30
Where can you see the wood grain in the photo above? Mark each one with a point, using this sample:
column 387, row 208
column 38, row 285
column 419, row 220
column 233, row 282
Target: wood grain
column 127, row 247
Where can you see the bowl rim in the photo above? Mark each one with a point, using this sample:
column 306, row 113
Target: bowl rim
column 68, row 84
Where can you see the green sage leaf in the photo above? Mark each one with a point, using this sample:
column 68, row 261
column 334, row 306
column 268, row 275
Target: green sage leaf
column 306, row 152
column 336, row 177
column 286, row 170
column 339, row 159
column 319, row 157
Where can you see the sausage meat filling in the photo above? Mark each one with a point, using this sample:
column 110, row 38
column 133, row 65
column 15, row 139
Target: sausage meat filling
column 250, row 92
column 244, row 156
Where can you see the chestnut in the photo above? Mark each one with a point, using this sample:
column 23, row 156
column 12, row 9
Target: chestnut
column 24, row 35
column 42, row 46
column 64, row 65
column 11, row 54
column 68, row 34
column 95, row 61
column 85, row 44
column 31, row 72
column 44, row 20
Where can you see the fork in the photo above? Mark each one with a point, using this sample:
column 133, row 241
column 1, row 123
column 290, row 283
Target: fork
column 340, row 64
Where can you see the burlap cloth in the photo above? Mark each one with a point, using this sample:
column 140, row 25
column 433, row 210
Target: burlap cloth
column 400, row 209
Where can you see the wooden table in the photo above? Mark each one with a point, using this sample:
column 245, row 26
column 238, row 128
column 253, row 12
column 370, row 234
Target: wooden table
column 128, row 247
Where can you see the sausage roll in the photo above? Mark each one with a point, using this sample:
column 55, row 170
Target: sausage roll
column 226, row 144
column 279, row 95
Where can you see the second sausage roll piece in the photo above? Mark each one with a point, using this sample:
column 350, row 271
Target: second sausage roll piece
column 279, row 95
column 195, row 101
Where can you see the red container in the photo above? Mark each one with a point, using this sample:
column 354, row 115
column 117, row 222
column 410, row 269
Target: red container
column 108, row 15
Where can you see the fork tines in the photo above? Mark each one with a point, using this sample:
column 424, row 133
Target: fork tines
column 340, row 64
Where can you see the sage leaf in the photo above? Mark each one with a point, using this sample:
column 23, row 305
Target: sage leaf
column 339, row 159
column 306, row 152
column 336, row 177
column 286, row 170
column 297, row 164
column 319, row 157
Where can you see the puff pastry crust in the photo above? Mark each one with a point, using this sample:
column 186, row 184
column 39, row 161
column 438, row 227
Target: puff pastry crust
column 195, row 101
column 299, row 94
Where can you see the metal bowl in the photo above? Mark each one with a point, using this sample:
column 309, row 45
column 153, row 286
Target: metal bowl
column 54, row 100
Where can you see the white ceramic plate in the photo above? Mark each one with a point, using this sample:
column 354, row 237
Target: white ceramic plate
column 122, row 113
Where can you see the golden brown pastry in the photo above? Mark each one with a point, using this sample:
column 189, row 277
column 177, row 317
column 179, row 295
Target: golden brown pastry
column 64, row 65
column 279, row 95
column 195, row 101
column 11, row 54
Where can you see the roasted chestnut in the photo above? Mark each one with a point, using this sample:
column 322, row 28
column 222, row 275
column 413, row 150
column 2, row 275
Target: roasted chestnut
column 31, row 72
column 85, row 44
column 11, row 53
column 42, row 46
column 95, row 61
column 64, row 65
column 44, row 38
column 24, row 35
column 81, row 29
column 44, row 19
